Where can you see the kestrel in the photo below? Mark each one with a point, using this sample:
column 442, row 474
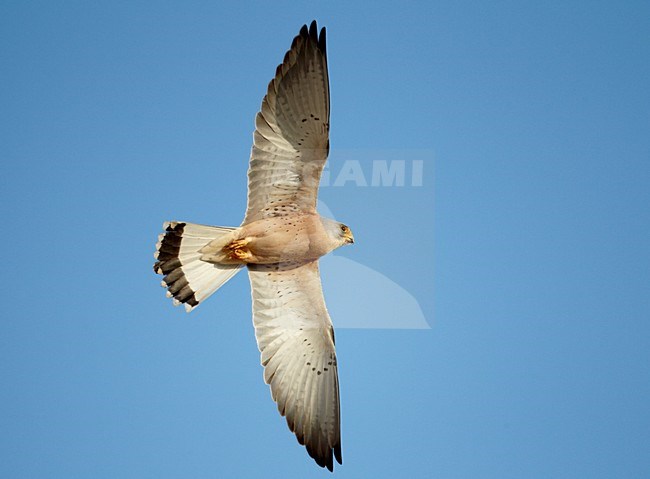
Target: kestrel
column 280, row 241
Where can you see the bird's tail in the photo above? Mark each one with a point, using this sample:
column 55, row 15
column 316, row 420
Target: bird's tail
column 188, row 279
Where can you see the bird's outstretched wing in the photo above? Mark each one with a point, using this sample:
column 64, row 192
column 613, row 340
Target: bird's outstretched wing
column 296, row 339
column 291, row 139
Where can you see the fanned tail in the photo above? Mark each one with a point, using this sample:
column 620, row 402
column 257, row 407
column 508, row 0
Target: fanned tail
column 188, row 279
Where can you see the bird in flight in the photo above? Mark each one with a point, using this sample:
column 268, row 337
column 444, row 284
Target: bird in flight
column 279, row 241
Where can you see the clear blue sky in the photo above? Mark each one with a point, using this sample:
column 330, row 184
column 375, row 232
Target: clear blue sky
column 527, row 247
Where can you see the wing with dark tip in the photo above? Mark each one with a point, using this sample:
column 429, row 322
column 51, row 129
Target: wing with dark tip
column 296, row 339
column 291, row 138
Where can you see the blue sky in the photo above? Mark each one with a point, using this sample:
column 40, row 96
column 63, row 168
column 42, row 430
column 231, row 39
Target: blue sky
column 526, row 248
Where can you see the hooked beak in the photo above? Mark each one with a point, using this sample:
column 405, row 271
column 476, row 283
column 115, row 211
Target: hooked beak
column 348, row 237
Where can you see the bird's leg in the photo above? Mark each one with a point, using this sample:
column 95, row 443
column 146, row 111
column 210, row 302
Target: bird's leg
column 238, row 249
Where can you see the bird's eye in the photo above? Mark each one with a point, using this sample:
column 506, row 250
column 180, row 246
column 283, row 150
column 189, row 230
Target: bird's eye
column 344, row 228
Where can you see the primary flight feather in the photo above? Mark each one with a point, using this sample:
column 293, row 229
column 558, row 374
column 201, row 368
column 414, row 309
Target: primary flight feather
column 279, row 241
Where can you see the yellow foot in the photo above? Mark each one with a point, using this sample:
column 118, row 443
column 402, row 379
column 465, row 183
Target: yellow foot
column 238, row 249
column 241, row 254
column 240, row 243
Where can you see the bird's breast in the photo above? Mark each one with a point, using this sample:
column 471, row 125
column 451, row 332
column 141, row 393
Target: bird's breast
column 279, row 239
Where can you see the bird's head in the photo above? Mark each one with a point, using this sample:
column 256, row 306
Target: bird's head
column 339, row 233
column 346, row 233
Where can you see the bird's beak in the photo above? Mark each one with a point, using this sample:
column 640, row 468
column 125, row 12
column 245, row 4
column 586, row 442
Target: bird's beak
column 348, row 237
